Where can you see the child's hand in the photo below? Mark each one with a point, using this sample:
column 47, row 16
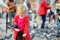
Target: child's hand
column 24, row 35
column 17, row 30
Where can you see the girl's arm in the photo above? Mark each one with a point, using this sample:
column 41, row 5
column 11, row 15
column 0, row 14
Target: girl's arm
column 15, row 20
column 26, row 26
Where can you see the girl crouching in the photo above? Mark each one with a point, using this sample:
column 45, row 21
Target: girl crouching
column 22, row 22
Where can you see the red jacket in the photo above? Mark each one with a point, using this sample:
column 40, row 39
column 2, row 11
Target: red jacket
column 26, row 22
column 43, row 8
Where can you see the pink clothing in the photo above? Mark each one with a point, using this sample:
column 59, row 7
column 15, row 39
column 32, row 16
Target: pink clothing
column 20, row 23
column 23, row 25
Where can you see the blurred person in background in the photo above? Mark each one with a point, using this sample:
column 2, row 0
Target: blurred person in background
column 2, row 4
column 38, row 1
column 12, row 9
column 4, row 0
column 27, row 4
column 52, row 2
column 58, row 1
column 42, row 11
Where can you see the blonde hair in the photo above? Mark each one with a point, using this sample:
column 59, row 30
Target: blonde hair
column 21, row 9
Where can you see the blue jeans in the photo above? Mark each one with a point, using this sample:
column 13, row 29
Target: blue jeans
column 43, row 21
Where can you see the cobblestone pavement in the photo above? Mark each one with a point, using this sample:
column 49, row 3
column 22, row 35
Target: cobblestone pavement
column 10, row 32
column 32, row 23
column 2, row 27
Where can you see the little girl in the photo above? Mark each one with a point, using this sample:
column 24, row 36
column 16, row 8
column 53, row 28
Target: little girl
column 22, row 33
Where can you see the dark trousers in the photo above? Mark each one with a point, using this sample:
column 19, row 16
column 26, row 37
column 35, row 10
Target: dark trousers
column 20, row 37
column 0, row 15
column 11, row 15
column 43, row 21
column 7, row 17
column 6, row 21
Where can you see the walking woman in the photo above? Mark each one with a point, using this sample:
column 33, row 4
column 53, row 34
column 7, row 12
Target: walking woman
column 42, row 11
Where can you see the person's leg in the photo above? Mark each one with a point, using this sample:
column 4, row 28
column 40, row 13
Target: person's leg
column 10, row 17
column 49, row 18
column 15, row 34
column 6, row 23
column 7, row 17
column 0, row 15
column 13, row 15
column 19, row 36
column 43, row 21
